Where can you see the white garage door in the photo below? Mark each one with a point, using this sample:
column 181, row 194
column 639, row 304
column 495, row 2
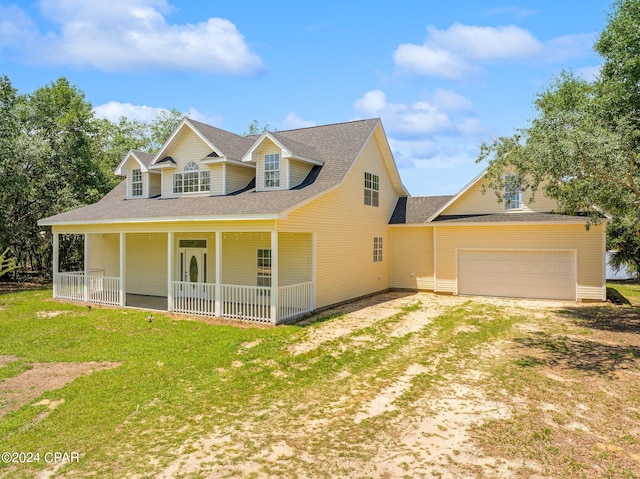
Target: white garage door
column 517, row 274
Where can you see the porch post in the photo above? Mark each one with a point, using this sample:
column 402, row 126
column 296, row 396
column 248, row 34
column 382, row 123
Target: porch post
column 86, row 267
column 274, row 277
column 123, row 269
column 56, row 262
column 170, row 270
column 218, row 301
column 313, row 271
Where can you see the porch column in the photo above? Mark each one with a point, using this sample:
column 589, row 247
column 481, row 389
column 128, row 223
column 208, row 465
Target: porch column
column 313, row 271
column 274, row 277
column 56, row 262
column 86, row 267
column 170, row 262
column 218, row 301
column 123, row 269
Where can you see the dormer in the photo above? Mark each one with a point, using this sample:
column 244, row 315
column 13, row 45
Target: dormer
column 281, row 163
column 141, row 182
column 199, row 159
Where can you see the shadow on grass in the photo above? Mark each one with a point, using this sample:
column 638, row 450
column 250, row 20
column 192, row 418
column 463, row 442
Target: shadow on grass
column 616, row 297
column 581, row 354
column 617, row 319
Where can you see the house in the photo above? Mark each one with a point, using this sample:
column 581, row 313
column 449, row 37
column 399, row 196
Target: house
column 268, row 228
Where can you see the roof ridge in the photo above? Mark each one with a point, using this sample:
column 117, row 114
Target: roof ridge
column 329, row 124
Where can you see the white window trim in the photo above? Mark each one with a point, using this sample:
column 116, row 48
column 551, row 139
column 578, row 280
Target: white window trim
column 193, row 169
column 509, row 195
column 135, row 183
column 378, row 247
column 265, row 276
column 277, row 171
column 374, row 189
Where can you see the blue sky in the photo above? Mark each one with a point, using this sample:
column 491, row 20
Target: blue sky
column 443, row 76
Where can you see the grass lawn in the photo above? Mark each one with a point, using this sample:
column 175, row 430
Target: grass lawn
column 430, row 387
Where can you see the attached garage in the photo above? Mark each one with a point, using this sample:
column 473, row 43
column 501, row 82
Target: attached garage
column 517, row 273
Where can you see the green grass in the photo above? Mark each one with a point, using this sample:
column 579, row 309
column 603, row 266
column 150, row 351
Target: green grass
column 182, row 381
column 628, row 290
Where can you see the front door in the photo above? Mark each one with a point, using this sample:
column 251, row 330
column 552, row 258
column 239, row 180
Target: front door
column 193, row 269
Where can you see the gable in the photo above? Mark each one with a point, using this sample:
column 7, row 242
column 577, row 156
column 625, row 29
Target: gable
column 473, row 201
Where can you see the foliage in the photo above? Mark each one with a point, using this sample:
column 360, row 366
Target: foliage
column 583, row 146
column 622, row 238
column 6, row 264
column 55, row 155
column 255, row 128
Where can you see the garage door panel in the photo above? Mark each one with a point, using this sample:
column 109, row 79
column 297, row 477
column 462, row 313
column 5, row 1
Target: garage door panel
column 510, row 273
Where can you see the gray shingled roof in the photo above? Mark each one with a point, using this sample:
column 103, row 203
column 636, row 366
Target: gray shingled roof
column 144, row 156
column 337, row 145
column 231, row 145
column 516, row 217
column 417, row 209
column 296, row 148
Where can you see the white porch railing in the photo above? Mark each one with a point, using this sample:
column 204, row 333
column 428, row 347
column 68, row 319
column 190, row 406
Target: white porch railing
column 104, row 290
column 246, row 302
column 193, row 298
column 70, row 285
column 294, row 300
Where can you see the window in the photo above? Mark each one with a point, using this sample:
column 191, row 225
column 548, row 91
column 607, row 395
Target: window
column 371, row 189
column 264, row 267
column 377, row 249
column 191, row 179
column 136, row 182
column 512, row 193
column 272, row 170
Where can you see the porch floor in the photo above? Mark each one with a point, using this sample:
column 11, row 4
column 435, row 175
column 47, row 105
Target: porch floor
column 158, row 303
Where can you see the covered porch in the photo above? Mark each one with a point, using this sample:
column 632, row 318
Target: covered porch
column 263, row 276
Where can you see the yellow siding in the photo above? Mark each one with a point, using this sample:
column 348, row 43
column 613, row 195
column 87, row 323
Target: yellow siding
column 294, row 258
column 104, row 254
column 217, row 178
column 412, row 258
column 189, row 148
column 239, row 256
column 473, row 201
column 345, row 228
column 238, row 177
column 177, row 226
column 298, row 171
column 146, row 264
column 588, row 245
column 155, row 184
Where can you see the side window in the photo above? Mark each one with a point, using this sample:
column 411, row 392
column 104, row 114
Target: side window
column 371, row 189
column 512, row 193
column 264, row 268
column 272, row 170
column 377, row 249
column 136, row 182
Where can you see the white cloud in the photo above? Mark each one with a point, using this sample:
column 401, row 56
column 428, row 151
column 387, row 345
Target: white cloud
column 293, row 121
column 462, row 49
column 131, row 35
column 589, row 73
column 114, row 110
column 443, row 113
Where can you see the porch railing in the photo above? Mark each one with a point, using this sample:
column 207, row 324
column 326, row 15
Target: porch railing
column 104, row 290
column 294, row 301
column 194, row 298
column 246, row 302
column 70, row 285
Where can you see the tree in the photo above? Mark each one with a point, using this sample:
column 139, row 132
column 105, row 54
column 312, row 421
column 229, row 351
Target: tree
column 255, row 128
column 6, row 264
column 583, row 146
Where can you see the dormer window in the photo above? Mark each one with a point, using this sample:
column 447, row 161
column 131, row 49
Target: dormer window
column 191, row 180
column 512, row 193
column 272, row 170
column 136, row 182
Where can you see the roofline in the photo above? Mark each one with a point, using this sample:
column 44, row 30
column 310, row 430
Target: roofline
column 572, row 221
column 248, row 156
column 162, row 219
column 144, row 168
column 464, row 189
column 185, row 121
column 337, row 185
column 386, row 138
column 215, row 161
